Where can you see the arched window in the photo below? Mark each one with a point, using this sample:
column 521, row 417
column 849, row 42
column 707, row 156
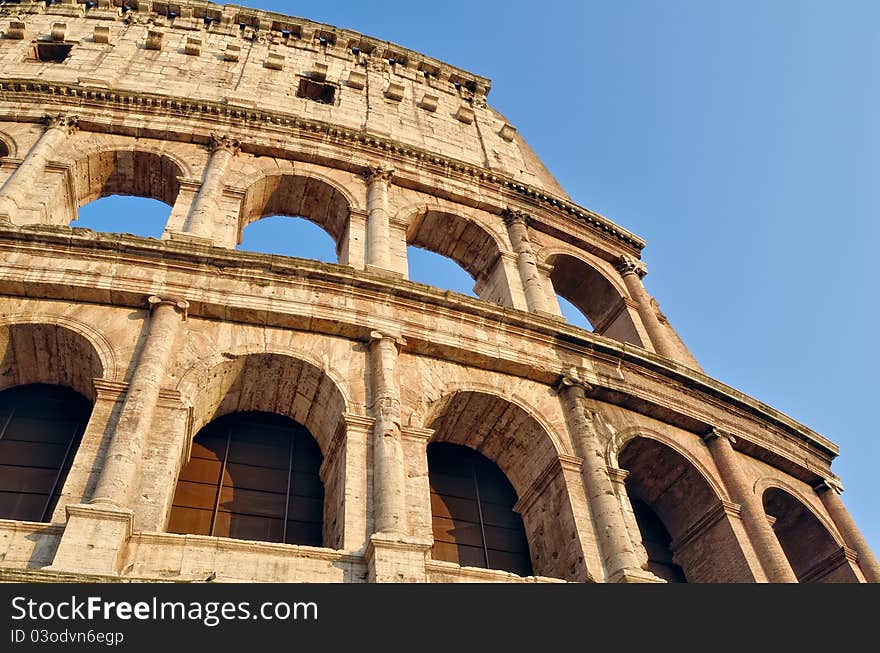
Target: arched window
column 40, row 429
column 439, row 271
column 657, row 543
column 252, row 476
column 472, row 512
column 140, row 216
column 288, row 236
column 807, row 544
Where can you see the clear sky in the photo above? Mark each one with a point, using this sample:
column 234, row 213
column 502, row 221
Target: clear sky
column 740, row 139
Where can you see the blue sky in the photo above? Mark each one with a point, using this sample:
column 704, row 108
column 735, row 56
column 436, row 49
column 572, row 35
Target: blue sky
column 740, row 140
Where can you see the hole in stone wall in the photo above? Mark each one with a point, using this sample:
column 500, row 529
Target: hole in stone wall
column 316, row 91
column 439, row 271
column 288, row 236
column 139, row 216
column 51, row 52
column 572, row 314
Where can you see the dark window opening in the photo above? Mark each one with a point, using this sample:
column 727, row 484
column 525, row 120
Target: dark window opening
column 657, row 541
column 472, row 514
column 52, row 52
column 316, row 91
column 252, row 476
column 40, row 430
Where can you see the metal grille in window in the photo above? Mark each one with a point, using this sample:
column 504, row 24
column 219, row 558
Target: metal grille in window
column 40, row 429
column 252, row 476
column 472, row 512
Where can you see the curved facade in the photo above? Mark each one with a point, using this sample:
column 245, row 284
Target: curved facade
column 265, row 418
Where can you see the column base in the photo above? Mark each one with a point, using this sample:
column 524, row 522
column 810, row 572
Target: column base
column 630, row 576
column 182, row 237
column 375, row 269
column 396, row 558
column 94, row 540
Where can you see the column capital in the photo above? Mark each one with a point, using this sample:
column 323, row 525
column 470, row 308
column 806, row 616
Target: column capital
column 715, row 432
column 627, row 265
column 65, row 122
column 827, row 484
column 223, row 142
column 514, row 216
column 580, row 388
column 617, row 474
column 377, row 336
column 377, row 173
column 179, row 305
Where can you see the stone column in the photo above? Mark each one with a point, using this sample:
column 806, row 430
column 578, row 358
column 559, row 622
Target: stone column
column 200, row 222
column 619, row 556
column 389, row 472
column 378, row 254
column 632, row 270
column 119, row 475
column 829, row 491
column 764, row 540
column 527, row 265
column 19, row 183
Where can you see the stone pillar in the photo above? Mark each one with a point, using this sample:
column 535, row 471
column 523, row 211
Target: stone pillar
column 378, row 250
column 200, row 222
column 19, row 183
column 119, row 475
column 632, row 270
column 389, row 472
column 517, row 228
column 618, row 481
column 829, row 491
column 764, row 540
column 620, row 559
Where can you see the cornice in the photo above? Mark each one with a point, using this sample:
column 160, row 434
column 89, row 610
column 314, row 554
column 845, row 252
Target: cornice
column 213, row 113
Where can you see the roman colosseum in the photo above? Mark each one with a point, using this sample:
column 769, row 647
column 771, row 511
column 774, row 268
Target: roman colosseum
column 176, row 409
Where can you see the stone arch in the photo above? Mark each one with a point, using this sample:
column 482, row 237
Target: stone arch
column 270, row 382
column 452, row 234
column 140, row 169
column 765, row 483
column 620, row 439
column 703, row 537
column 525, row 452
column 292, row 387
column 8, row 146
column 813, row 548
column 55, row 351
column 309, row 195
column 600, row 297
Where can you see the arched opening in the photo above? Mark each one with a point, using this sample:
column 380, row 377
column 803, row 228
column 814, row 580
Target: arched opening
column 297, row 196
column 472, row 514
column 289, row 237
column 686, row 534
column 121, row 176
column 4, row 149
column 41, row 427
column 439, row 271
column 573, row 314
column 525, row 454
column 139, row 216
column 658, row 544
column 590, row 293
column 471, row 247
column 252, row 476
column 307, row 399
column 807, row 544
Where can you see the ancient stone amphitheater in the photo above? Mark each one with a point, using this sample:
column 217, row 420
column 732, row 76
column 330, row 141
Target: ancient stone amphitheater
column 176, row 409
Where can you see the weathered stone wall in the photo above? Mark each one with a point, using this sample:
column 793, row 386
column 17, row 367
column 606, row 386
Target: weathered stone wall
column 163, row 336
